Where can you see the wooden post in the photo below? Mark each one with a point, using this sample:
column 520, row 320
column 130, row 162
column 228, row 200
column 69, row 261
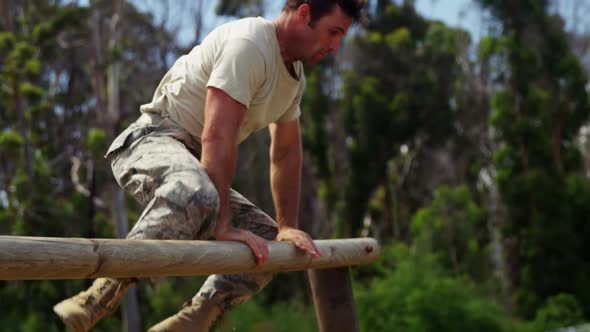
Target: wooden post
column 334, row 301
column 30, row 258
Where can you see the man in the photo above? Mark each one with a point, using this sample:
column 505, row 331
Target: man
column 178, row 159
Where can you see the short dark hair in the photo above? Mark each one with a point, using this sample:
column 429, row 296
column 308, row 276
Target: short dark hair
column 354, row 9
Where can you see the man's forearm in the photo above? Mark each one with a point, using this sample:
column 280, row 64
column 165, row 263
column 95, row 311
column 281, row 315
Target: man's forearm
column 218, row 157
column 285, row 178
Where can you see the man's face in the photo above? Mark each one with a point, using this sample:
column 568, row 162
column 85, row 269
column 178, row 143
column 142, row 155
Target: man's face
column 323, row 36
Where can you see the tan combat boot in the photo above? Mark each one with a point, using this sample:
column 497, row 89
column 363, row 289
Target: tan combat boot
column 197, row 315
column 79, row 313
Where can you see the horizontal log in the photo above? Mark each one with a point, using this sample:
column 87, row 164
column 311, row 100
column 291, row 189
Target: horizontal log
column 39, row 258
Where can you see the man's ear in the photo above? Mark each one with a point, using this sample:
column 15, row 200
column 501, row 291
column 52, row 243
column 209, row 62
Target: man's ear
column 304, row 14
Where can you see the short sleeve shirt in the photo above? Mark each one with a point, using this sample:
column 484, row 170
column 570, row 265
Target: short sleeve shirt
column 243, row 59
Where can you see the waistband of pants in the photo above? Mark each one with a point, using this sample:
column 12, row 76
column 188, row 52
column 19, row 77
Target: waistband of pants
column 165, row 125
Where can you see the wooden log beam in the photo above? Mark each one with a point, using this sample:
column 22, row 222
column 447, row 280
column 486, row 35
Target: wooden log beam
column 38, row 258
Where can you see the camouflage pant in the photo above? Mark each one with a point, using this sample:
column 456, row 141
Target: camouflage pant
column 157, row 162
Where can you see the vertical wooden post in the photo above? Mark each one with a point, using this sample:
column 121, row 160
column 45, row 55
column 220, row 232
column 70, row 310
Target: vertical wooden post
column 334, row 302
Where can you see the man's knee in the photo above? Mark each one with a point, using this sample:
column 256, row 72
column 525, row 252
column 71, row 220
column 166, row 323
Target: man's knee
column 202, row 210
column 198, row 201
column 268, row 232
column 259, row 224
column 185, row 191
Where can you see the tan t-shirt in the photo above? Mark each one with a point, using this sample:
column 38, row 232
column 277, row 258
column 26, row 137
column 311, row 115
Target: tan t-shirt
column 243, row 59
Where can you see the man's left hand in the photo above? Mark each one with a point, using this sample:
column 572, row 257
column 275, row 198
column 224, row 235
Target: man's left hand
column 300, row 239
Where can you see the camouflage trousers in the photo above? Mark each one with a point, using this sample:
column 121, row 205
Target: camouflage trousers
column 157, row 162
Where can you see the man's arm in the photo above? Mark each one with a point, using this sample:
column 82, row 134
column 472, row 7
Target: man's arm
column 223, row 116
column 285, row 178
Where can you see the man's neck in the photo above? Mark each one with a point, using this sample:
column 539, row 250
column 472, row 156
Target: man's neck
column 281, row 24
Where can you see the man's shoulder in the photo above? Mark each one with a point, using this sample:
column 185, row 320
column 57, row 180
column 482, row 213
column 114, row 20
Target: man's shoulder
column 255, row 33
column 252, row 21
column 251, row 28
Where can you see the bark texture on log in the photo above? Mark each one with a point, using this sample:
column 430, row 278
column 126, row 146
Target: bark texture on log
column 37, row 258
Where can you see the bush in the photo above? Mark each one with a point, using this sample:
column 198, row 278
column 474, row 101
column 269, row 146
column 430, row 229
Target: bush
column 454, row 229
column 559, row 311
column 417, row 296
column 281, row 317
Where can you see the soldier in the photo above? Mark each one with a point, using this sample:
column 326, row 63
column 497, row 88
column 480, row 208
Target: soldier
column 178, row 158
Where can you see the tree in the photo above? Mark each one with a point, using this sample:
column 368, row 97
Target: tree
column 240, row 8
column 537, row 116
column 48, row 114
column 402, row 98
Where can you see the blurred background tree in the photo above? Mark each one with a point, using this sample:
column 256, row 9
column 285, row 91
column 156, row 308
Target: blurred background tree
column 538, row 114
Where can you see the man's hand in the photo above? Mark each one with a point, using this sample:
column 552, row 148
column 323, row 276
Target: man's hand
column 300, row 239
column 285, row 179
column 258, row 245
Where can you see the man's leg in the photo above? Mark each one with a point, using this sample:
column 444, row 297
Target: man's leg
column 222, row 292
column 181, row 203
column 229, row 291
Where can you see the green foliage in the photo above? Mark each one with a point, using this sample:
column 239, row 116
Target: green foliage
column 453, row 229
column 537, row 115
column 33, row 93
column 26, row 305
column 417, row 296
column 280, row 317
column 42, row 31
column 23, row 51
column 486, row 47
column 10, row 143
column 315, row 134
column 398, row 39
column 116, row 54
column 442, row 40
column 32, row 69
column 388, row 260
column 403, row 95
column 168, row 295
column 96, row 141
column 559, row 311
column 166, row 299
column 7, row 41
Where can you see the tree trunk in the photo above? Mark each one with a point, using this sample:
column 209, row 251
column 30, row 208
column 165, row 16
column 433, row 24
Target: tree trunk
column 496, row 219
column 91, row 205
column 98, row 64
column 131, row 318
column 130, row 306
column 8, row 17
column 388, row 219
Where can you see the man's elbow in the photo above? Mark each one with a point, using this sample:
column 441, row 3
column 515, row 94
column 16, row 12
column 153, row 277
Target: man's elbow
column 292, row 153
column 216, row 139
